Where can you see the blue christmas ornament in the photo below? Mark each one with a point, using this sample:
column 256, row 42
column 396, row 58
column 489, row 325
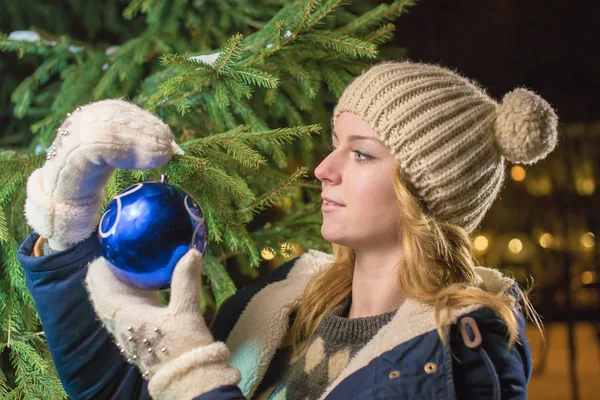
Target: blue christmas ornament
column 146, row 229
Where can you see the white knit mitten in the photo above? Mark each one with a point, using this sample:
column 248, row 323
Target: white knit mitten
column 171, row 345
column 64, row 196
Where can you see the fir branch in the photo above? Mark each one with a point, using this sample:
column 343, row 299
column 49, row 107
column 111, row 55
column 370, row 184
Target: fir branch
column 336, row 80
column 255, row 77
column 184, row 65
column 170, row 91
column 11, row 185
column 309, row 83
column 299, row 100
column 324, row 11
column 279, row 136
column 382, row 13
column 157, row 12
column 272, row 30
column 244, row 154
column 231, row 184
column 23, row 94
column 119, row 181
column 133, row 8
column 238, row 90
column 230, row 53
column 47, row 124
column 16, row 275
column 15, row 282
column 247, row 113
column 138, row 50
column 222, row 94
column 4, row 232
column 220, row 118
column 240, row 239
column 268, row 199
column 233, row 142
column 22, row 48
column 4, row 388
column 381, row 35
column 28, row 352
column 342, row 43
column 32, row 380
column 298, row 25
column 214, row 229
column 217, row 138
column 186, row 169
column 14, row 171
column 286, row 135
column 221, row 284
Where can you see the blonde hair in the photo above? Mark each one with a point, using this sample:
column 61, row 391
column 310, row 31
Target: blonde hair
column 437, row 269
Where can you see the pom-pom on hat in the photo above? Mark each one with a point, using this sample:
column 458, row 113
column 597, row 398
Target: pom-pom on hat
column 449, row 136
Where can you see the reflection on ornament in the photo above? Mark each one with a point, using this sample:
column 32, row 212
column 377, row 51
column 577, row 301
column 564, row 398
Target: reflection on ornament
column 117, row 198
column 146, row 229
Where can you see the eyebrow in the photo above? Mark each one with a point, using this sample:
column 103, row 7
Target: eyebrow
column 359, row 137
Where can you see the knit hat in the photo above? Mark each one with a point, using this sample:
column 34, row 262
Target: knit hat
column 449, row 136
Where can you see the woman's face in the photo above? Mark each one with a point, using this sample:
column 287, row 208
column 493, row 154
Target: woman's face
column 360, row 208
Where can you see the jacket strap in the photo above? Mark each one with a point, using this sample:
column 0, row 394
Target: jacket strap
column 472, row 338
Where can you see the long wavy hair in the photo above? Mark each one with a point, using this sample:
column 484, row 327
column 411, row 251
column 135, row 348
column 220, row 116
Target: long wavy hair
column 437, row 269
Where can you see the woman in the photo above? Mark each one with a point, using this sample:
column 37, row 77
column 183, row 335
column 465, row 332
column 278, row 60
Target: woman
column 399, row 310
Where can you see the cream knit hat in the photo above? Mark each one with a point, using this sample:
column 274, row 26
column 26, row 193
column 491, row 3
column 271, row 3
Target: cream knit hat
column 449, row 136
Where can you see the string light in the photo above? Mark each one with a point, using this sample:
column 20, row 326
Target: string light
column 515, row 246
column 546, row 240
column 481, row 243
column 287, row 247
column 588, row 240
column 518, row 173
column 588, row 277
column 267, row 254
column 585, row 186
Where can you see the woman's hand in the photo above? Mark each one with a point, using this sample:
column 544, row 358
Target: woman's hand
column 64, row 196
column 171, row 345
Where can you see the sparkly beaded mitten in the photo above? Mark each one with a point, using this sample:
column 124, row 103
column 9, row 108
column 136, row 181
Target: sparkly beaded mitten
column 170, row 345
column 64, row 196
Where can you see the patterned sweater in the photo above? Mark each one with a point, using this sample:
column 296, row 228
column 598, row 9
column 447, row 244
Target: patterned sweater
column 336, row 341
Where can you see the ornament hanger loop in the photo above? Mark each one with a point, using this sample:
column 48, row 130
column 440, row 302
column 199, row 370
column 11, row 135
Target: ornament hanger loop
column 164, row 178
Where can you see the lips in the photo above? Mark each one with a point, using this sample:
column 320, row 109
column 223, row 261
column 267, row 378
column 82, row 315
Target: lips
column 330, row 205
column 327, row 200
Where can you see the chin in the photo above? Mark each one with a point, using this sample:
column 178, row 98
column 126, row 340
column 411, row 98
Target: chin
column 336, row 237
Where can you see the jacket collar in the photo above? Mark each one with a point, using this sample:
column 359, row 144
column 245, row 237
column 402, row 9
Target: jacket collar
column 265, row 321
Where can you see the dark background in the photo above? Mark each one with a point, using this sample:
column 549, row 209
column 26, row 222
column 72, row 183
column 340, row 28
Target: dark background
column 548, row 46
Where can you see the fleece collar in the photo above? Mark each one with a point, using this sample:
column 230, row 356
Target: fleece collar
column 264, row 322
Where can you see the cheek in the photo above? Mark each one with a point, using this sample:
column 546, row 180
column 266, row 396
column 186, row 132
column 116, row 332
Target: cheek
column 376, row 199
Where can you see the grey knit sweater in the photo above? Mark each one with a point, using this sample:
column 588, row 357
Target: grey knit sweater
column 336, row 341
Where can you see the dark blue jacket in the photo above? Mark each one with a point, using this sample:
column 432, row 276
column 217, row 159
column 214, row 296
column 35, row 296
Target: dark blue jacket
column 405, row 360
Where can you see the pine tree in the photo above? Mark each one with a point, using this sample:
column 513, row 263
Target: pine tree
column 246, row 89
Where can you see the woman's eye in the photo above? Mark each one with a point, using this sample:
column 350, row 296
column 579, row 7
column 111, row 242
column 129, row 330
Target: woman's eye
column 362, row 157
column 358, row 155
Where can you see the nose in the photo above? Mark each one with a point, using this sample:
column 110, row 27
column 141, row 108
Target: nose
column 329, row 171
